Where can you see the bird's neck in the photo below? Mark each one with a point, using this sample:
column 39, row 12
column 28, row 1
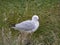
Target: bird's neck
column 35, row 21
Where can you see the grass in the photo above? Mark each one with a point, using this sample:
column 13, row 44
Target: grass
column 15, row 11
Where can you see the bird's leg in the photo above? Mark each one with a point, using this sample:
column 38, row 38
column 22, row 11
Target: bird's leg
column 25, row 38
column 21, row 38
column 28, row 39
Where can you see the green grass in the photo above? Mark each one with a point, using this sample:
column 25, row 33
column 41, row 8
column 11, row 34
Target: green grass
column 15, row 11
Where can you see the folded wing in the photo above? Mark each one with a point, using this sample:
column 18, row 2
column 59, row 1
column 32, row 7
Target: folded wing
column 26, row 26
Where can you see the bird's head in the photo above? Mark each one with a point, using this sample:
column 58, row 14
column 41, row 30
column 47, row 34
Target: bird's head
column 35, row 18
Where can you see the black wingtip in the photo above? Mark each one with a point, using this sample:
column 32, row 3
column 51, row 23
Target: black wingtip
column 12, row 25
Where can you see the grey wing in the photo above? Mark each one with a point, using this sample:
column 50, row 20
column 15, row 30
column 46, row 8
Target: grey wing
column 26, row 26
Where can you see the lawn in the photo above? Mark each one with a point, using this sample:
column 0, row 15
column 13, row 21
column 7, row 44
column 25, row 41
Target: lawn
column 16, row 11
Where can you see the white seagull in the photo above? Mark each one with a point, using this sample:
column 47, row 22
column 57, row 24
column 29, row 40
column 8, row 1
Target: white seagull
column 28, row 25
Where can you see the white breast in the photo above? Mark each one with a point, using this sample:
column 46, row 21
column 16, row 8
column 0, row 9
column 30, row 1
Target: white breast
column 36, row 26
